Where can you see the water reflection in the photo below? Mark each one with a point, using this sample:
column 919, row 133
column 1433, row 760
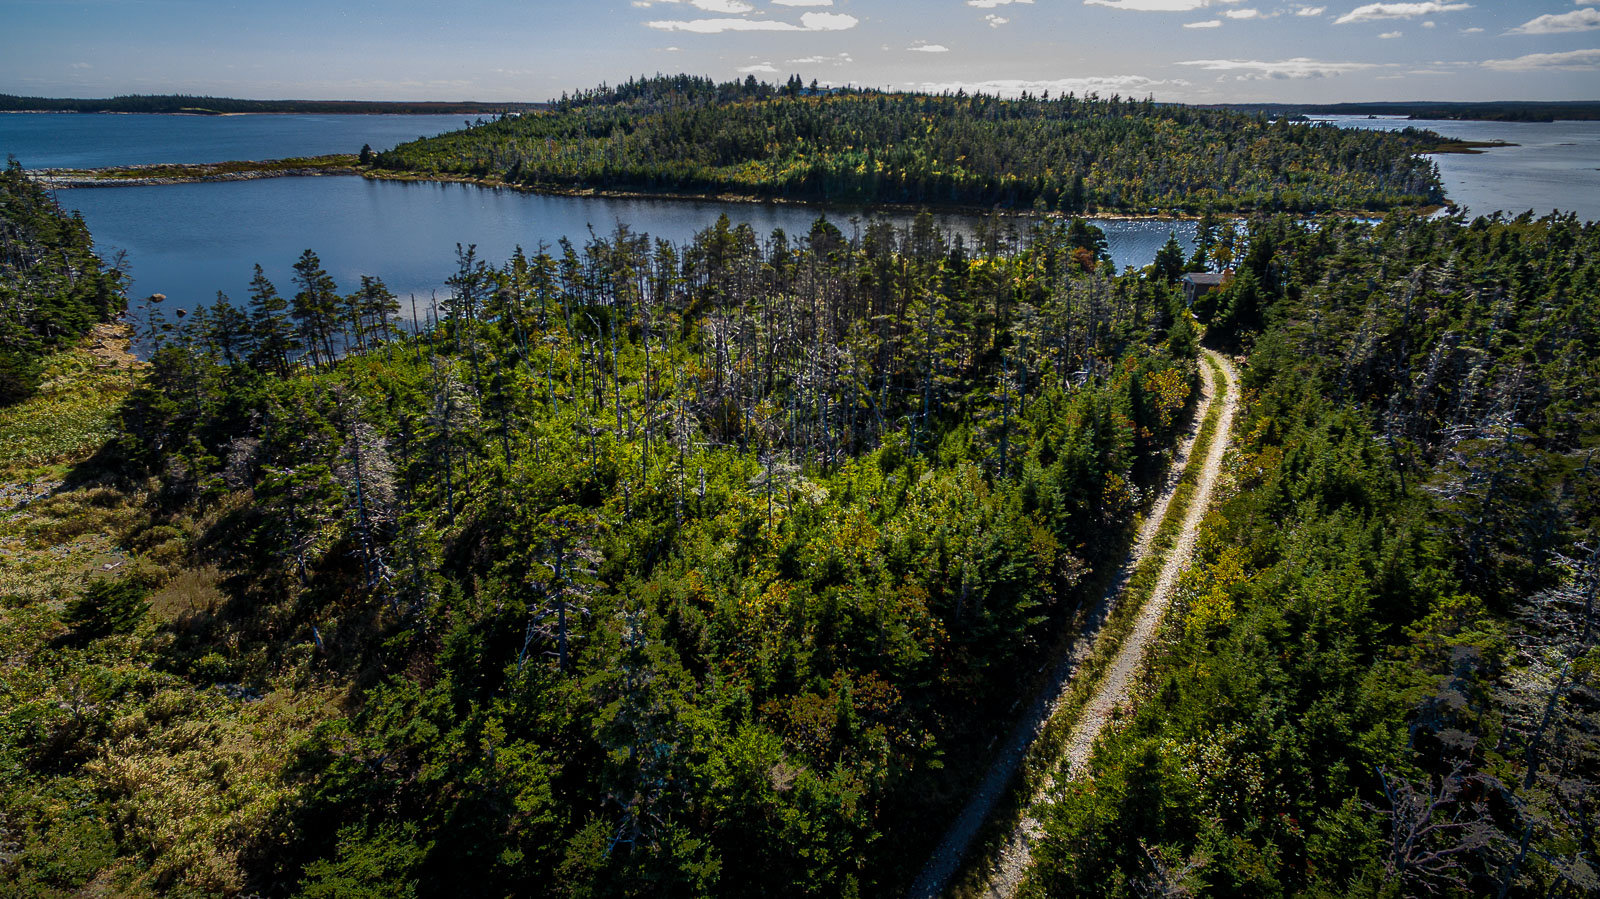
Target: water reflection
column 189, row 241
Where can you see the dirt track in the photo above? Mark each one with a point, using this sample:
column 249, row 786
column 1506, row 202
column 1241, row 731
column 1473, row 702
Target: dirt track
column 1008, row 868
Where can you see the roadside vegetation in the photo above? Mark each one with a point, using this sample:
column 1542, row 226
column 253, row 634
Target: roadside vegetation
column 1380, row 676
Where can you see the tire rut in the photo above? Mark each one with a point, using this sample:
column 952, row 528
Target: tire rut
column 1011, row 864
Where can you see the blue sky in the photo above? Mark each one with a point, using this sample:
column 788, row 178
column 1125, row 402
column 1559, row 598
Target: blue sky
column 1179, row 50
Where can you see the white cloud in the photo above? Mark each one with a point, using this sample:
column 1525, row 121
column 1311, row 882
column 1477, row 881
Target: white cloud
column 1297, row 68
column 1373, row 12
column 827, row 21
column 929, row 48
column 1577, row 20
column 728, row 7
column 1309, row 11
column 717, row 26
column 995, row 21
column 1242, row 13
column 763, row 67
column 1472, row 31
column 1209, row 23
column 1391, row 35
column 811, row 21
column 1570, row 61
column 1126, row 85
column 1430, row 24
column 1150, row 5
column 819, row 60
column 802, row 2
column 80, row 65
column 991, row 4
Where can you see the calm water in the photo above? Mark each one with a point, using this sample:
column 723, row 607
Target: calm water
column 1553, row 166
column 190, row 240
column 79, row 140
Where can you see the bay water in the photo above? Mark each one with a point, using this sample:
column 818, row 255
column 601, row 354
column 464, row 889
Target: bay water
column 190, row 241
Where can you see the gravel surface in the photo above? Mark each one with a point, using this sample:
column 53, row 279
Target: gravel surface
column 1007, row 872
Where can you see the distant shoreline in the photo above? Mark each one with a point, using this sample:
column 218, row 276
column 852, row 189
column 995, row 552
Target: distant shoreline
column 182, row 104
column 224, row 115
column 193, row 173
column 1511, row 112
column 344, row 164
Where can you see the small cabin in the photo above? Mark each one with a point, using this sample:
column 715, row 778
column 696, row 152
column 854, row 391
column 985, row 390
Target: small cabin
column 1198, row 284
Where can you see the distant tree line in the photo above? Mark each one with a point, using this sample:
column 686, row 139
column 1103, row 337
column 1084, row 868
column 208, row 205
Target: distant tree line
column 186, row 103
column 1067, row 153
column 1492, row 111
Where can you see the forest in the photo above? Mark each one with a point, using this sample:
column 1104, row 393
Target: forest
column 713, row 569
column 52, row 286
column 1382, row 677
column 682, row 134
column 633, row 563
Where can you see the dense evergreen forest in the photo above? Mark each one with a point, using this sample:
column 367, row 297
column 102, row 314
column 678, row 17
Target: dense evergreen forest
column 52, row 286
column 640, row 570
column 1067, row 153
column 1382, row 680
column 201, row 105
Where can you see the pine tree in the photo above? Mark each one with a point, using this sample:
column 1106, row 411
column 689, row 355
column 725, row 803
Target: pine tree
column 316, row 307
column 273, row 337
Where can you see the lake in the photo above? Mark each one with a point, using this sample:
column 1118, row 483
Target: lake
column 95, row 140
column 190, row 240
column 1554, row 165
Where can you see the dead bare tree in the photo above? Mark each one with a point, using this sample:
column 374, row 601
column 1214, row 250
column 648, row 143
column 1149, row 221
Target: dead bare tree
column 568, row 561
column 1168, row 876
column 1433, row 827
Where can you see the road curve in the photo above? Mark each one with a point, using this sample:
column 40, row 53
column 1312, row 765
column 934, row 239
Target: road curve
column 1008, row 869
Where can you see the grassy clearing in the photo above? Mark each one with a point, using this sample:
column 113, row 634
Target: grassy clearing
column 53, row 540
column 71, row 416
column 1044, row 754
column 122, row 774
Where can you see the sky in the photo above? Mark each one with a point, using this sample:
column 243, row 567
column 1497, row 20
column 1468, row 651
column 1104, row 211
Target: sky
column 1199, row 51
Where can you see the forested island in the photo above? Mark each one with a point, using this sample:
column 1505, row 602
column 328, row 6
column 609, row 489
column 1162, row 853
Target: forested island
column 186, row 104
column 683, row 134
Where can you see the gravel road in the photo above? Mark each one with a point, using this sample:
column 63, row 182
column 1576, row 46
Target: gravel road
column 1008, row 868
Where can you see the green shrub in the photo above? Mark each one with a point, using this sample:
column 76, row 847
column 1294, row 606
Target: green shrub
column 108, row 607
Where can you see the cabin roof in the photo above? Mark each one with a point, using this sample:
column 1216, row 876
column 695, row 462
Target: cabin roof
column 1205, row 279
